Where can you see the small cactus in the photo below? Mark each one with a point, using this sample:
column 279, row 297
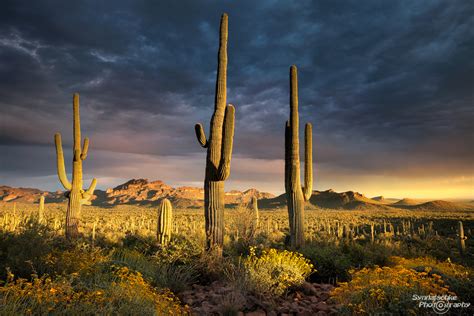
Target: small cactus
column 461, row 238
column 76, row 195
column 219, row 149
column 165, row 222
column 255, row 214
column 296, row 195
column 372, row 233
column 41, row 209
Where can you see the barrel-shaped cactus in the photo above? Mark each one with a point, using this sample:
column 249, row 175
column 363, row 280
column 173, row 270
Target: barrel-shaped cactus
column 296, row 195
column 76, row 195
column 219, row 149
column 165, row 222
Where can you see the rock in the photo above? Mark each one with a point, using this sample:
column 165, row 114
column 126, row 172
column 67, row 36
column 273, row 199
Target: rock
column 294, row 307
column 321, row 313
column 308, row 288
column 258, row 312
column 314, row 299
column 324, row 296
column 322, row 306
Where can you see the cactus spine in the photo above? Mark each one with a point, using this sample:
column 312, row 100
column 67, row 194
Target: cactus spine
column 165, row 220
column 295, row 194
column 76, row 194
column 462, row 239
column 219, row 149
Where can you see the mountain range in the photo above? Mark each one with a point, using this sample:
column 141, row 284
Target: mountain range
column 144, row 192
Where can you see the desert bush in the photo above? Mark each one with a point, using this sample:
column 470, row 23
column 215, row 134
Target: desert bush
column 126, row 294
column 175, row 277
column 141, row 244
column 180, row 250
column 387, row 290
column 457, row 277
column 331, row 264
column 274, row 271
column 25, row 251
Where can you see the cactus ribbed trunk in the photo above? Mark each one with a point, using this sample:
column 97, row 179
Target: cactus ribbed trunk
column 76, row 195
column 214, row 212
column 296, row 195
column 255, row 215
column 165, row 222
column 219, row 148
column 461, row 238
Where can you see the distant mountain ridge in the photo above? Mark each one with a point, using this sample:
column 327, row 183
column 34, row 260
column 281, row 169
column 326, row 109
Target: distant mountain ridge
column 135, row 191
column 145, row 192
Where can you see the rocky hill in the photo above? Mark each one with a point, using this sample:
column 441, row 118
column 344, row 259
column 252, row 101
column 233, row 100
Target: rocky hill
column 28, row 195
column 135, row 191
column 144, row 192
column 329, row 199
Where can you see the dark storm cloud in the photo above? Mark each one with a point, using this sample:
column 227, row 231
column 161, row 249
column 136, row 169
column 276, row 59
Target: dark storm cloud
column 387, row 85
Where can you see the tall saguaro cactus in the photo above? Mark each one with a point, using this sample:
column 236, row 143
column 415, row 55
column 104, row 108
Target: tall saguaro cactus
column 76, row 195
column 165, row 217
column 219, row 148
column 296, row 195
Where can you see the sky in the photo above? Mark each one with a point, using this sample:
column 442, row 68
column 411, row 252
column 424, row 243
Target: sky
column 387, row 85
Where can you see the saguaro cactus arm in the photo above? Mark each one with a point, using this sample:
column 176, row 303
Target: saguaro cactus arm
column 87, row 195
column 201, row 135
column 60, row 162
column 227, row 143
column 85, row 148
column 308, row 162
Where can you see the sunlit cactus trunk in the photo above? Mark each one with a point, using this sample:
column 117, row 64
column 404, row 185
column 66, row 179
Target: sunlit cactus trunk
column 219, row 149
column 255, row 215
column 76, row 195
column 296, row 195
column 165, row 222
column 41, row 209
column 461, row 238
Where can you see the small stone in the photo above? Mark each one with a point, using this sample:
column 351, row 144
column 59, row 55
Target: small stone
column 314, row 299
column 308, row 288
column 322, row 306
column 294, row 306
column 321, row 313
column 258, row 312
column 324, row 296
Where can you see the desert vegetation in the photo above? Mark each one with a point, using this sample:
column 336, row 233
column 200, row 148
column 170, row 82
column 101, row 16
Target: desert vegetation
column 352, row 262
column 294, row 257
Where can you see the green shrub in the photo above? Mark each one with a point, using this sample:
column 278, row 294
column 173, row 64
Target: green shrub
column 25, row 251
column 274, row 271
column 387, row 290
column 331, row 263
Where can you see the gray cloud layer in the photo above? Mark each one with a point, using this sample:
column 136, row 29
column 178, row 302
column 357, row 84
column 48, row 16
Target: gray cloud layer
column 387, row 85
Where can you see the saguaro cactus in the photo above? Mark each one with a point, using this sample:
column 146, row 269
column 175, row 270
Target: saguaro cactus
column 41, row 209
column 295, row 194
column 76, row 195
column 461, row 238
column 165, row 222
column 255, row 214
column 219, row 149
